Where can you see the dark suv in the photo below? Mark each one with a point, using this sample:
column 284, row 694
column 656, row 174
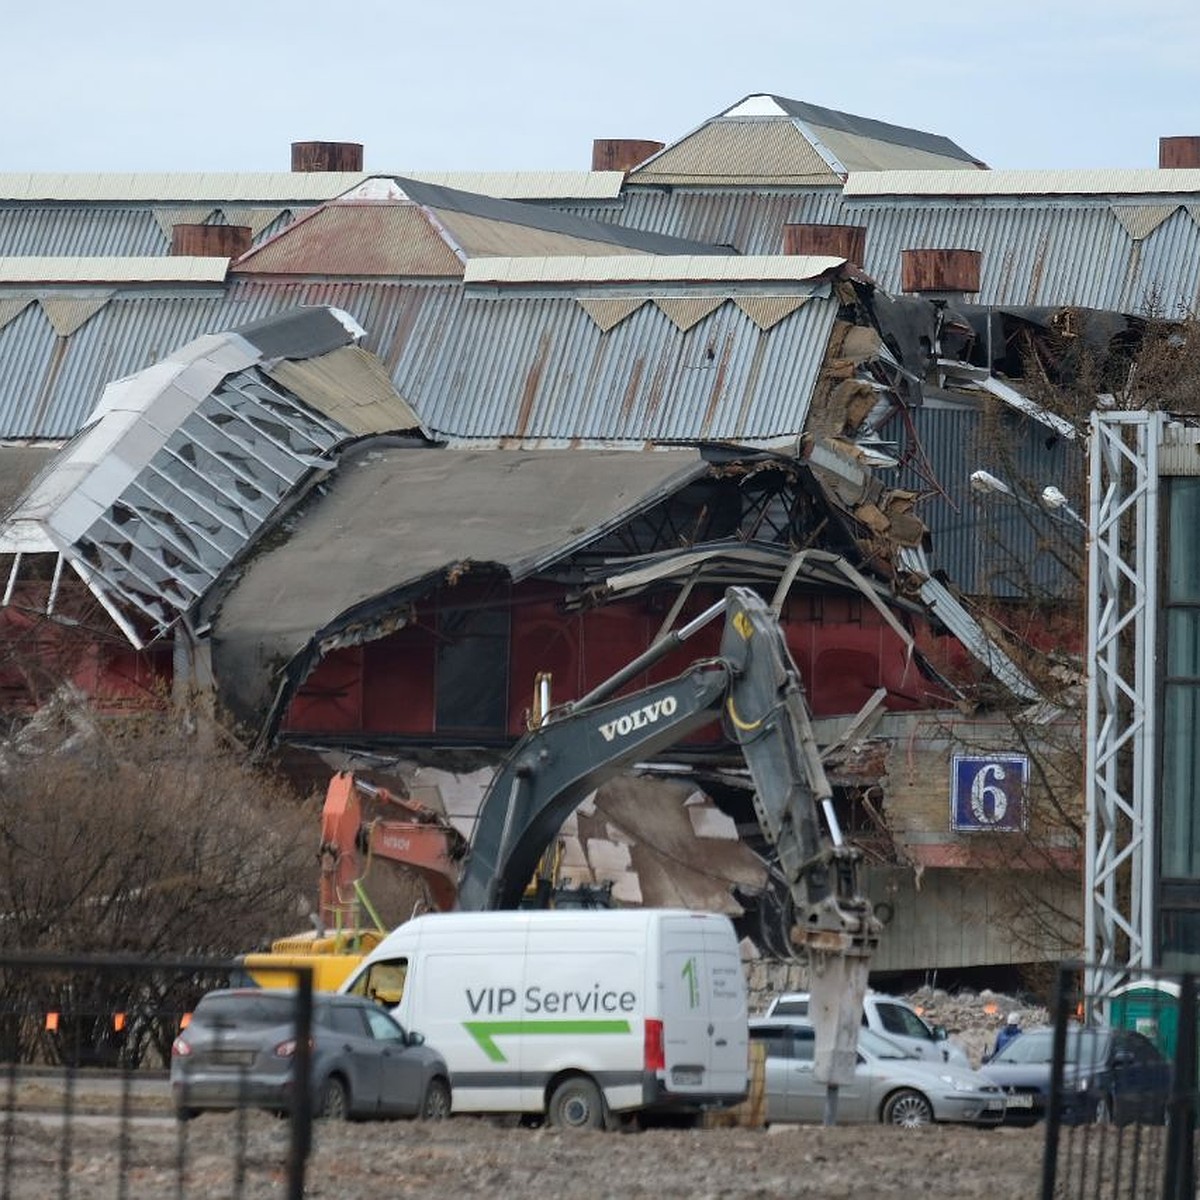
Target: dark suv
column 239, row 1049
column 1108, row 1075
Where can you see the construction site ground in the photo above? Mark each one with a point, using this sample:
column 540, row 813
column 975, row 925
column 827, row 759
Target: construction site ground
column 471, row 1156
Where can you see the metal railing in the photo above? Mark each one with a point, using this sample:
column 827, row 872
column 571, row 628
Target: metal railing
column 1120, row 1112
column 87, row 1104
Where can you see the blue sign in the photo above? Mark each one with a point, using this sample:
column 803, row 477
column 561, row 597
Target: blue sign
column 988, row 793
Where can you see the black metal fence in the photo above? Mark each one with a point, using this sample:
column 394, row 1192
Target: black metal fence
column 1120, row 1100
column 88, row 1105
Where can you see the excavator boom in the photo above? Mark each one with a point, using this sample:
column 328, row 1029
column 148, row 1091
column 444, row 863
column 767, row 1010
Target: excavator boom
column 755, row 685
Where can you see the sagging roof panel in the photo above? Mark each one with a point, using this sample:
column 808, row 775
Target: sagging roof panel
column 184, row 463
column 391, row 516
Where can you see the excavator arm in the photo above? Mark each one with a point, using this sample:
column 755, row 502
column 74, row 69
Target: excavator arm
column 755, row 684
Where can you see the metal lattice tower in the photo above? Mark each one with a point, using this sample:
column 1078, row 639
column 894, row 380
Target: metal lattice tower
column 1121, row 728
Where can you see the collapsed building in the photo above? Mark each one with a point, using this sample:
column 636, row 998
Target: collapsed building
column 361, row 456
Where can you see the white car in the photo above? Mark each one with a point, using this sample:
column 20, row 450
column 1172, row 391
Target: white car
column 889, row 1085
column 891, row 1017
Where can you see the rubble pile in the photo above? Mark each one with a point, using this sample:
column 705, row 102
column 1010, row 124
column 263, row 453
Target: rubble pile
column 973, row 1018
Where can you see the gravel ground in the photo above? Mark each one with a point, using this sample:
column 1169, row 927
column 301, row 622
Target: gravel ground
column 469, row 1157
column 476, row 1157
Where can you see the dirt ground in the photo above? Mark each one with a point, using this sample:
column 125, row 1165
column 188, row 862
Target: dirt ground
column 471, row 1157
column 476, row 1157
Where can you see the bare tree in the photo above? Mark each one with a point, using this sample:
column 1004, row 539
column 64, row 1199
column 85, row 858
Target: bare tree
column 135, row 836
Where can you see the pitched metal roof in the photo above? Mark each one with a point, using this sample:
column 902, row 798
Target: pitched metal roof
column 396, row 227
column 771, row 141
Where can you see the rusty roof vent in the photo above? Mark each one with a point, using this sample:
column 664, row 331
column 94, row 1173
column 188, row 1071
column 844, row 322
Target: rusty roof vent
column 327, row 156
column 836, row 241
column 1179, row 152
column 955, row 271
column 622, row 154
column 210, row 241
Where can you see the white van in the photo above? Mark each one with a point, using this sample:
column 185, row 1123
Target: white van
column 580, row 1015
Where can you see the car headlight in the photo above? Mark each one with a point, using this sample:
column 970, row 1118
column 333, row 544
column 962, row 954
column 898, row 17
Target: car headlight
column 1083, row 1083
column 959, row 1085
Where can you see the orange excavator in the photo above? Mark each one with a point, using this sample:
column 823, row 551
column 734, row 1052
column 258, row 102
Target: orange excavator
column 418, row 837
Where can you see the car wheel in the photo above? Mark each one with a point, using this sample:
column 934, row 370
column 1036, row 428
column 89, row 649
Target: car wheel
column 908, row 1108
column 436, row 1105
column 576, row 1104
column 335, row 1100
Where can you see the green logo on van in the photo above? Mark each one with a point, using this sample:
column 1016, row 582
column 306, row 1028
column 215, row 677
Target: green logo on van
column 689, row 973
column 485, row 1031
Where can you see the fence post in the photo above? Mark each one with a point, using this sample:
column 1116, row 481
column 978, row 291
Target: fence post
column 1179, row 1180
column 302, row 1108
column 1063, row 990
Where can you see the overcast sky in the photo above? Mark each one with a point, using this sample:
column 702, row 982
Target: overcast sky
column 228, row 85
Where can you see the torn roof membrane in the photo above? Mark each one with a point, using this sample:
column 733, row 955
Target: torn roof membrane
column 183, row 464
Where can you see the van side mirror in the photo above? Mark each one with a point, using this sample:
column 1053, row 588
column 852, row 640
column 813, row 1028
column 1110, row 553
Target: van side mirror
column 939, row 1033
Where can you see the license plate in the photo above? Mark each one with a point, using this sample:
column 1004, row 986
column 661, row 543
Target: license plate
column 1020, row 1102
column 231, row 1058
column 993, row 1105
column 687, row 1076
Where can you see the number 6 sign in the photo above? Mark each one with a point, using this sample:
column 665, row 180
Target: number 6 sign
column 988, row 792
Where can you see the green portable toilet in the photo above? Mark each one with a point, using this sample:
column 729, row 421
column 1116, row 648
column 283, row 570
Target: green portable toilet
column 1151, row 1007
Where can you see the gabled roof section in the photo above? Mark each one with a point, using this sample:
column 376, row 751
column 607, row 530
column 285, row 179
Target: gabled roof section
column 185, row 463
column 767, row 140
column 389, row 226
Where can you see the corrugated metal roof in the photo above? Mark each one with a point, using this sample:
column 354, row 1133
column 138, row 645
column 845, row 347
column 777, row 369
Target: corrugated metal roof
column 738, row 151
column 481, row 236
column 1040, row 251
column 540, row 368
column 1177, row 181
column 850, row 128
column 48, row 387
column 750, row 220
column 286, row 187
column 652, row 269
column 79, row 269
column 355, row 240
column 988, row 547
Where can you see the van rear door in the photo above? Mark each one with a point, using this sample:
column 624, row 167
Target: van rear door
column 704, row 1008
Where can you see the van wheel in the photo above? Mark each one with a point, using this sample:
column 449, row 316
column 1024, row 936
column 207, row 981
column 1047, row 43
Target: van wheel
column 436, row 1105
column 908, row 1108
column 335, row 1100
column 576, row 1104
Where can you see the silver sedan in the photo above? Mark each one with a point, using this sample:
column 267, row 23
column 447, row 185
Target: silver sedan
column 890, row 1085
